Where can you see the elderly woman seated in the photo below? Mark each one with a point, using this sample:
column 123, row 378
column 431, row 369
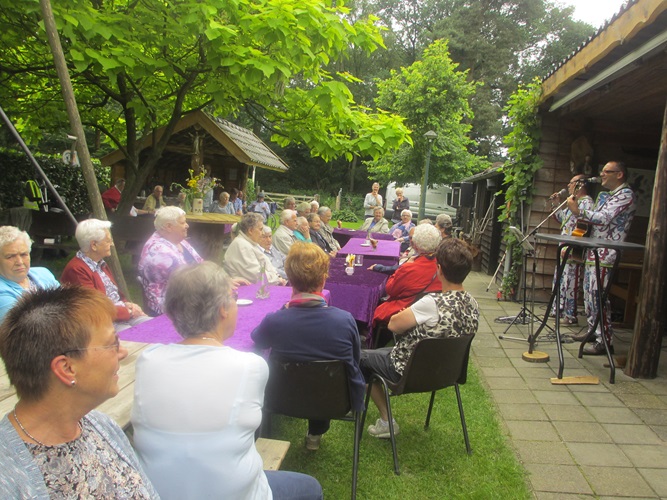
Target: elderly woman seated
column 62, row 356
column 276, row 257
column 198, row 403
column 245, row 256
column 16, row 276
column 88, row 269
column 414, row 278
column 377, row 223
column 307, row 329
column 315, row 224
column 223, row 206
column 401, row 232
column 302, row 232
column 164, row 252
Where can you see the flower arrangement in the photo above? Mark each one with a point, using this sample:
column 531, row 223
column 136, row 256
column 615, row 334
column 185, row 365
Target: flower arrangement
column 350, row 260
column 196, row 185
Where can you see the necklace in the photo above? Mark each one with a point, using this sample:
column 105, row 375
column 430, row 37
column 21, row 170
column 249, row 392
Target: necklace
column 25, row 431
column 209, row 338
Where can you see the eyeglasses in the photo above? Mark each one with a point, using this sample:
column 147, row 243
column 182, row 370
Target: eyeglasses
column 607, row 172
column 115, row 345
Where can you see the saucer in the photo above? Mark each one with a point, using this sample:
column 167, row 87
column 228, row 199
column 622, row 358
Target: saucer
column 243, row 302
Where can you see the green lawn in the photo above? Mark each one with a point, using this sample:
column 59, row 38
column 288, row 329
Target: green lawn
column 434, row 463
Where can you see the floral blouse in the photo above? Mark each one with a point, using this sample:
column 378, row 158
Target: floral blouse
column 159, row 259
column 87, row 467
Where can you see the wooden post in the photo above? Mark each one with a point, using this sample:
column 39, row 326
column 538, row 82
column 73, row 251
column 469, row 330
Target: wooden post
column 651, row 320
column 77, row 129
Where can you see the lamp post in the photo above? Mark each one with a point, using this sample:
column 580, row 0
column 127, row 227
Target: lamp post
column 430, row 137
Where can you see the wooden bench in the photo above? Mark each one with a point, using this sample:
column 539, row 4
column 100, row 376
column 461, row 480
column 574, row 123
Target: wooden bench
column 272, row 451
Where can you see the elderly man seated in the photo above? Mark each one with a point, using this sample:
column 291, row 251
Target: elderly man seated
column 154, row 201
column 276, row 257
column 326, row 231
column 284, row 236
column 450, row 313
column 377, row 223
column 289, row 203
column 245, row 257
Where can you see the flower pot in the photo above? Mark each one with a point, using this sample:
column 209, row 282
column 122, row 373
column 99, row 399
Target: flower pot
column 198, row 206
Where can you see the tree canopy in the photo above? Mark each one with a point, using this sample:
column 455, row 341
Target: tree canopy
column 431, row 94
column 137, row 66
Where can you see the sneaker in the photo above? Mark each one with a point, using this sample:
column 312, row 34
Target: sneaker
column 597, row 349
column 381, row 429
column 313, row 442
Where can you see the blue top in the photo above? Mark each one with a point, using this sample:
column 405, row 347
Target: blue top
column 10, row 291
column 315, row 333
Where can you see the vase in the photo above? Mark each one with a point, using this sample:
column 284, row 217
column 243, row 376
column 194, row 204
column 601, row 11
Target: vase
column 198, row 206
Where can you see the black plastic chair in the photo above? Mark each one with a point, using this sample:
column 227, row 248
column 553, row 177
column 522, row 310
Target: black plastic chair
column 435, row 364
column 315, row 390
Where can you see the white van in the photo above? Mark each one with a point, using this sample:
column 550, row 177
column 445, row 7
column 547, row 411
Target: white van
column 437, row 200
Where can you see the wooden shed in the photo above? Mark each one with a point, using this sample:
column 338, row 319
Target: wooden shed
column 607, row 101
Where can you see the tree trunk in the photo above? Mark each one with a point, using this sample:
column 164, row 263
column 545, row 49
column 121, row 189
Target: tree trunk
column 77, row 130
column 353, row 169
column 651, row 319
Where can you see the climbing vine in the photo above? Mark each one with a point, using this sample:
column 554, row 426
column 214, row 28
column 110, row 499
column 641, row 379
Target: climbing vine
column 523, row 161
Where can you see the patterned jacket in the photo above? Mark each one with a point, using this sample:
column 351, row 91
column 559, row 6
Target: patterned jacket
column 611, row 217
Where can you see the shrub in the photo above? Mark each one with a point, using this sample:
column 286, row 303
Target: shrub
column 68, row 180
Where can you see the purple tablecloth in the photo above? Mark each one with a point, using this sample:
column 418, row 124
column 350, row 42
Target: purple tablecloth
column 387, row 251
column 343, row 235
column 160, row 330
column 358, row 294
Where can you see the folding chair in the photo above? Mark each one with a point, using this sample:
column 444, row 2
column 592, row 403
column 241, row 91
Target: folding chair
column 435, row 363
column 316, row 390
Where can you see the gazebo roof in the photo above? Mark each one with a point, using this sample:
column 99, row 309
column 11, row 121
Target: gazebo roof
column 224, row 138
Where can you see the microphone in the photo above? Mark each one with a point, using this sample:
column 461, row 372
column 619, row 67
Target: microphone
column 560, row 194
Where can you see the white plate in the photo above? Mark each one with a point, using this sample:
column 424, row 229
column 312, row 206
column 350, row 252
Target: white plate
column 365, row 245
column 243, row 302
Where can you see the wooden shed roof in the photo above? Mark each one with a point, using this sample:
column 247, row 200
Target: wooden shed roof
column 236, row 141
column 619, row 72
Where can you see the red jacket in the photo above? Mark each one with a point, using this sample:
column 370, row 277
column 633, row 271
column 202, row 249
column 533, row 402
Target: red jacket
column 111, row 198
column 77, row 272
column 403, row 286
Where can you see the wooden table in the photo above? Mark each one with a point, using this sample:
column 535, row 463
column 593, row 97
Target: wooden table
column 208, row 231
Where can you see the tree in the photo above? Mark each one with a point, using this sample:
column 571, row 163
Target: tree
column 431, row 94
column 137, row 66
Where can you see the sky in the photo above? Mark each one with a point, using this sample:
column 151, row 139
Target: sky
column 594, row 12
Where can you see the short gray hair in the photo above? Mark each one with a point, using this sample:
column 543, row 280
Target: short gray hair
column 315, row 204
column 303, row 206
column 9, row 234
column 311, row 217
column 286, row 215
column 443, row 220
column 323, row 210
column 195, row 294
column 267, row 230
column 90, row 230
column 250, row 220
column 378, row 208
column 426, row 238
column 300, row 221
column 406, row 212
column 224, row 194
column 167, row 215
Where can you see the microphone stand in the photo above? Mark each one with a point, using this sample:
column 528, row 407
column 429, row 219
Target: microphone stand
column 524, row 309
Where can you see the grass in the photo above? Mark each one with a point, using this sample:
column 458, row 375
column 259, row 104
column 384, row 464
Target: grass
column 434, row 463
